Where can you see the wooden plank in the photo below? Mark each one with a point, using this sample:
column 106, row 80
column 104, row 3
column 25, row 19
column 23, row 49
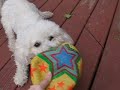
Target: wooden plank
column 100, row 20
column 39, row 3
column 80, row 15
column 65, row 7
column 88, row 74
column 90, row 51
column 6, row 76
column 108, row 75
column 50, row 5
column 5, row 54
column 3, row 37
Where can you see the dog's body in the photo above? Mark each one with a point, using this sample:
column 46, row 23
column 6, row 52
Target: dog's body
column 34, row 33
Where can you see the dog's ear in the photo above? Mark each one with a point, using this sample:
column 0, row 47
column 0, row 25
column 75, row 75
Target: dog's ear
column 66, row 37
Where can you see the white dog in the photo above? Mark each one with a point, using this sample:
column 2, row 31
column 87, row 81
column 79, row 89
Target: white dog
column 34, row 34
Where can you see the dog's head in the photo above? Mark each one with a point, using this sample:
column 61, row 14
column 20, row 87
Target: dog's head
column 46, row 34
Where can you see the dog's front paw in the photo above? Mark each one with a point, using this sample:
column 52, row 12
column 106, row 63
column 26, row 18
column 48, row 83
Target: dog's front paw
column 47, row 14
column 50, row 14
column 20, row 79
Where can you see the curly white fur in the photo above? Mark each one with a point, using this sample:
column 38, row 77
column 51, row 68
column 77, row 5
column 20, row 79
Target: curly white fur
column 30, row 26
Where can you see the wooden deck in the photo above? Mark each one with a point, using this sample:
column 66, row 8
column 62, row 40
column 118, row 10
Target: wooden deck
column 95, row 28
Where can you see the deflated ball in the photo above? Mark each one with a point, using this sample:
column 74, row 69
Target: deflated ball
column 65, row 64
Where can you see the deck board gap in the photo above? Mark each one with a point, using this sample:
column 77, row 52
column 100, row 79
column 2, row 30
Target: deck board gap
column 5, row 63
column 95, row 38
column 43, row 4
column 86, row 22
column 3, row 42
column 58, row 5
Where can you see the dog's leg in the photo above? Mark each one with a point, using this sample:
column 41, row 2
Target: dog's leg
column 10, row 35
column 21, row 75
column 46, row 14
column 11, row 40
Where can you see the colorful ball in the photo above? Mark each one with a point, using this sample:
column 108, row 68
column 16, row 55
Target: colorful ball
column 65, row 64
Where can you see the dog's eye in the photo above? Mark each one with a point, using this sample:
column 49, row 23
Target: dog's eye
column 51, row 38
column 37, row 44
